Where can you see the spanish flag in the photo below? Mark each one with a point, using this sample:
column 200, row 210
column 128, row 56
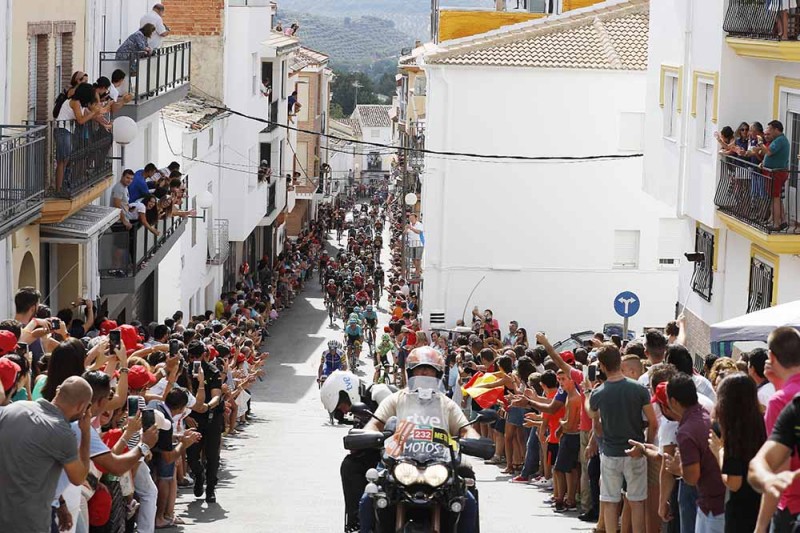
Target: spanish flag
column 484, row 397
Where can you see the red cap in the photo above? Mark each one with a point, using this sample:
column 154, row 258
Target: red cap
column 107, row 325
column 212, row 353
column 8, row 342
column 568, row 357
column 100, row 506
column 139, row 377
column 8, row 372
column 130, row 336
column 387, row 329
column 660, row 396
column 240, row 358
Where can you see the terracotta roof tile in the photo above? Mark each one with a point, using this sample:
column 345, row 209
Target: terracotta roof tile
column 373, row 116
column 611, row 35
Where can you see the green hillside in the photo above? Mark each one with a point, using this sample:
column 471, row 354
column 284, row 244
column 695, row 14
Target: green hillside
column 352, row 43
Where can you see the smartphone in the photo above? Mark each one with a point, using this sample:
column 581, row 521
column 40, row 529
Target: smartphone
column 148, row 418
column 195, row 367
column 133, row 406
column 174, row 346
column 54, row 323
column 716, row 429
column 592, row 373
column 22, row 348
column 114, row 340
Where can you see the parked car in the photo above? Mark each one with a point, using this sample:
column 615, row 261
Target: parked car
column 574, row 341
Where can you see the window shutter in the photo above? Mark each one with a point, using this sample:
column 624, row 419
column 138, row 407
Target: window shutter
column 670, row 240
column 626, row 249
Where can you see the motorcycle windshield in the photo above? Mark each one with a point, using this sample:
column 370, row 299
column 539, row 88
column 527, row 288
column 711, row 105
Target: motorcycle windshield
column 421, row 444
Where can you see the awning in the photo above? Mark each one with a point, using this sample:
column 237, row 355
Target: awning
column 753, row 326
column 80, row 227
column 278, row 44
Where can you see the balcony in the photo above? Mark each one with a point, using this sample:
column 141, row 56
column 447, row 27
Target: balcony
column 77, row 168
column 127, row 258
column 744, row 203
column 154, row 81
column 23, row 160
column 218, row 244
column 751, row 29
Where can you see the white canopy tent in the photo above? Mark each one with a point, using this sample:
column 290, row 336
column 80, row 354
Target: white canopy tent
column 754, row 326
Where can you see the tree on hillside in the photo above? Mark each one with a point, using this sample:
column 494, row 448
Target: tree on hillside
column 344, row 91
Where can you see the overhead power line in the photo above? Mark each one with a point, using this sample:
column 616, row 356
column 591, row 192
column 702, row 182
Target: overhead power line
column 434, row 152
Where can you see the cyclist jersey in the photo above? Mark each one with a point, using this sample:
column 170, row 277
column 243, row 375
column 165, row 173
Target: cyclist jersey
column 353, row 331
column 362, row 296
column 332, row 289
column 370, row 315
column 331, row 362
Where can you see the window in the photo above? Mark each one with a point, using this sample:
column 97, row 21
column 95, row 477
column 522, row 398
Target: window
column 703, row 275
column 626, row 249
column 283, row 80
column 211, row 136
column 670, row 242
column 58, row 66
column 376, row 133
column 420, row 86
column 671, row 99
column 34, row 67
column 706, row 115
column 762, row 280
column 255, row 72
column 194, row 148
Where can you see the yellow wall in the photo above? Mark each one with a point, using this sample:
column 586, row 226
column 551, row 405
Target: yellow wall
column 24, row 241
column 455, row 24
column 25, row 11
column 577, row 4
column 69, row 275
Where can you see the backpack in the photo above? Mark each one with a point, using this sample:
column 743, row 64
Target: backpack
column 60, row 99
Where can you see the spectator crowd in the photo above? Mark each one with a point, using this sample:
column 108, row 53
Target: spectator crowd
column 103, row 422
column 636, row 435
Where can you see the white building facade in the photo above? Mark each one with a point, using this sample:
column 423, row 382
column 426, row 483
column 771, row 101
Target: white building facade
column 716, row 64
column 550, row 243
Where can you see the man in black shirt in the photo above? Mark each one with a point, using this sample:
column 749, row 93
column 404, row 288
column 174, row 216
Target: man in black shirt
column 210, row 423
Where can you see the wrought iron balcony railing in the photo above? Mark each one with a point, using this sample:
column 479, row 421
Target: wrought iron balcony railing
column 23, row 166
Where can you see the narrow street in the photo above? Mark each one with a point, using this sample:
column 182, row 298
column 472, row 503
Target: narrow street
column 281, row 473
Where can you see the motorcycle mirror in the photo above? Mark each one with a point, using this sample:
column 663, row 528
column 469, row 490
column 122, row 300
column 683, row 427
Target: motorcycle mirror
column 486, row 416
column 363, row 440
column 482, row 448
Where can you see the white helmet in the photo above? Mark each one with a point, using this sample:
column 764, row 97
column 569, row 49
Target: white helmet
column 380, row 392
column 339, row 386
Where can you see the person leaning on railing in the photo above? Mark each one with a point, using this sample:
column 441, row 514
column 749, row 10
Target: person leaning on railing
column 135, row 46
column 80, row 109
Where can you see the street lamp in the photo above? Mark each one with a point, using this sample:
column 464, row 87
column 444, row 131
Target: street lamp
column 124, row 131
column 411, row 199
column 204, row 201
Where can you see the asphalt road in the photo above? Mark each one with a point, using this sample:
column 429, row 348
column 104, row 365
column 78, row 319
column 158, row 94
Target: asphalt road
column 281, row 473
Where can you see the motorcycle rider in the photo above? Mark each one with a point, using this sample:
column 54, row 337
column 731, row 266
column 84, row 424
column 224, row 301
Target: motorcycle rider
column 339, row 392
column 332, row 359
column 425, row 368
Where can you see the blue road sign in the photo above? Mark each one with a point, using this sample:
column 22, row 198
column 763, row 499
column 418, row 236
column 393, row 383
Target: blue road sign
column 626, row 304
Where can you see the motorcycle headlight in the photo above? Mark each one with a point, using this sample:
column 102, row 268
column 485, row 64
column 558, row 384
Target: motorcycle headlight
column 436, row 475
column 406, row 473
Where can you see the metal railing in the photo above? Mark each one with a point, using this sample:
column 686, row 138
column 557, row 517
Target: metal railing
column 273, row 116
column 761, row 285
column 78, row 156
column 23, row 162
column 123, row 253
column 149, row 76
column 218, row 245
column 755, row 19
column 745, row 191
column 703, row 276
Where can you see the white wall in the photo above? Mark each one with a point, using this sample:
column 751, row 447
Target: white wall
column 542, row 233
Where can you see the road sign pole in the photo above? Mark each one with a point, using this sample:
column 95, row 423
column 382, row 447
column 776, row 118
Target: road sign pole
column 624, row 328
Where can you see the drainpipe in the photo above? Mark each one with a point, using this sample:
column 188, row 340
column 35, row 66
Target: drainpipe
column 686, row 89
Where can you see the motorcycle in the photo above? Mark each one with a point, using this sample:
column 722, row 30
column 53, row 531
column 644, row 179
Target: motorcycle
column 424, row 480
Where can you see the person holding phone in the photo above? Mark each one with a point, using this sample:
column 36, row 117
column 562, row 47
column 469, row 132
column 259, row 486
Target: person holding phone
column 210, row 421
